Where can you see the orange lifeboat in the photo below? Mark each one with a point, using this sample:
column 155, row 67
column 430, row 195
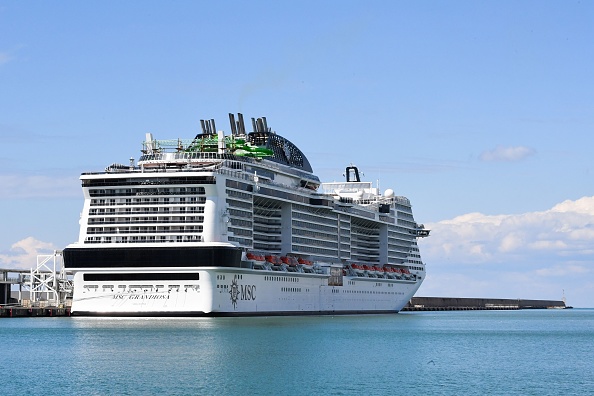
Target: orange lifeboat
column 254, row 257
column 291, row 261
column 303, row 261
column 257, row 260
column 274, row 260
column 357, row 268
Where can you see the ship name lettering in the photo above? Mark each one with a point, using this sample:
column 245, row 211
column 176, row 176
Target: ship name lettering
column 143, row 297
column 248, row 292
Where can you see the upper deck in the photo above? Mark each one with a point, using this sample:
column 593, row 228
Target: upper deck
column 261, row 143
column 261, row 152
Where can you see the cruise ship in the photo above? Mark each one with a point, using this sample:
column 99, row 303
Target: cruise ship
column 239, row 224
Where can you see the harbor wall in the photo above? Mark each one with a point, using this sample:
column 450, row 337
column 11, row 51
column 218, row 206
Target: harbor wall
column 21, row 312
column 459, row 304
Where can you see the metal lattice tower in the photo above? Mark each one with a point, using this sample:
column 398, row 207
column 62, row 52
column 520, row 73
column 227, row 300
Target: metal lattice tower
column 45, row 281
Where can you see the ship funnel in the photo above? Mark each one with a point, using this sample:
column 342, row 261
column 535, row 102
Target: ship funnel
column 232, row 122
column 240, row 123
column 265, row 124
column 208, row 127
column 352, row 174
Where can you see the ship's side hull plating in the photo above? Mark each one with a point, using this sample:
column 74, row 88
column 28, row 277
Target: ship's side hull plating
column 222, row 291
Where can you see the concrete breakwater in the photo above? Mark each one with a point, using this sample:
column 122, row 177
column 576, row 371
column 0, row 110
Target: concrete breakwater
column 471, row 304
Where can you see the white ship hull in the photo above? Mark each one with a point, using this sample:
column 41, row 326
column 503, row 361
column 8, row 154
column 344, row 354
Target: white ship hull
column 228, row 292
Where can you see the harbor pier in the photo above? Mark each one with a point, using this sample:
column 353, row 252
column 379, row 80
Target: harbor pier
column 23, row 312
column 474, row 304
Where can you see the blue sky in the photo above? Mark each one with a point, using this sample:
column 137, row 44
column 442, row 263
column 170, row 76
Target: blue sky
column 481, row 112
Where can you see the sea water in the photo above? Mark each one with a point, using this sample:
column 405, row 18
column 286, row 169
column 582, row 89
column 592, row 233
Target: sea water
column 538, row 352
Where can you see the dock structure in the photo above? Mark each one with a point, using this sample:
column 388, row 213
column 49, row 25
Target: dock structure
column 45, row 286
column 474, row 304
column 20, row 312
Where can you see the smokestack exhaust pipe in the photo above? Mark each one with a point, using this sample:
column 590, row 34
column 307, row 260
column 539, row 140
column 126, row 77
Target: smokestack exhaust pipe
column 265, row 124
column 241, row 124
column 232, row 122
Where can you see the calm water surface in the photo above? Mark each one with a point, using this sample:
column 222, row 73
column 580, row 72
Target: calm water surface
column 544, row 352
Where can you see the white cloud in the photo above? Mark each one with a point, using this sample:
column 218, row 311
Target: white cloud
column 583, row 205
column 475, row 236
column 512, row 241
column 26, row 186
column 23, row 254
column 507, row 154
column 535, row 253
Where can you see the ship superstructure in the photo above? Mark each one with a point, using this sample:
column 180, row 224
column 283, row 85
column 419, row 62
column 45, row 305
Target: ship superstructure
column 238, row 224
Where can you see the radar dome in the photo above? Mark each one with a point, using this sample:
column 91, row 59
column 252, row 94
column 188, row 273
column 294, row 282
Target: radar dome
column 389, row 193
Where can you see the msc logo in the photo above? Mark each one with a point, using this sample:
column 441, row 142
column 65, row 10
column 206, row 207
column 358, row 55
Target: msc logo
column 241, row 292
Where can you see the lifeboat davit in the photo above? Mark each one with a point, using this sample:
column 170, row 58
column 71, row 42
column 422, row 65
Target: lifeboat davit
column 357, row 268
column 304, row 261
column 290, row 262
column 369, row 270
column 306, row 265
column 257, row 260
column 389, row 272
column 272, row 259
